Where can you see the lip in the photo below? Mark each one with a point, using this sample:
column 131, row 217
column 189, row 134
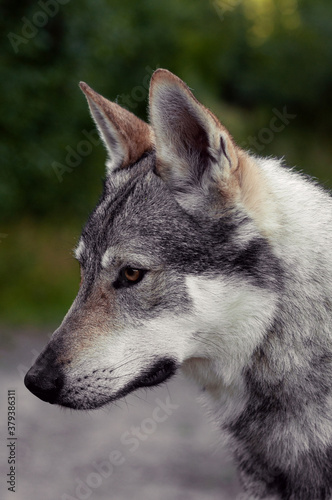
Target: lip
column 159, row 373
column 162, row 370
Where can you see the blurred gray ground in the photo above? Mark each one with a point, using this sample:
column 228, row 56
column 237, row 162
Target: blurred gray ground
column 59, row 451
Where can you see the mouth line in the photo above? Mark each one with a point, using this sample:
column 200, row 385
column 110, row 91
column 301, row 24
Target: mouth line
column 158, row 375
column 161, row 371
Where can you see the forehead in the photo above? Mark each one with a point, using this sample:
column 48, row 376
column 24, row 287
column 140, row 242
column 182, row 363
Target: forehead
column 135, row 212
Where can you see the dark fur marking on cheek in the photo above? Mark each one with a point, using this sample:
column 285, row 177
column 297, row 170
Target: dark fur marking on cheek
column 211, row 249
column 258, row 262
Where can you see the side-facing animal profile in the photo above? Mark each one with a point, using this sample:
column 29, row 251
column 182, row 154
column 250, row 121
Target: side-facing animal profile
column 203, row 257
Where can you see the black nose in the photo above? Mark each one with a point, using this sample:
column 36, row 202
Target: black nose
column 44, row 379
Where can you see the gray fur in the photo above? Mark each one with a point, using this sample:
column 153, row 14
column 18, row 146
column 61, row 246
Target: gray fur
column 236, row 291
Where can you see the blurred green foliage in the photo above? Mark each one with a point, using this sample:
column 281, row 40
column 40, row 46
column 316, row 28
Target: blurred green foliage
column 242, row 58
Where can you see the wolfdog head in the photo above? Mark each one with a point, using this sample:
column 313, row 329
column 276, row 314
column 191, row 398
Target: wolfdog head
column 175, row 259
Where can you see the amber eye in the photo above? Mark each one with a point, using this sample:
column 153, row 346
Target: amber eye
column 129, row 276
column 132, row 274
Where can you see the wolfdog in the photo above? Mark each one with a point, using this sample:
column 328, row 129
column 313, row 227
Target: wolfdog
column 204, row 257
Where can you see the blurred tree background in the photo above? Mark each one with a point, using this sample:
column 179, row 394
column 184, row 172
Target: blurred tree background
column 246, row 59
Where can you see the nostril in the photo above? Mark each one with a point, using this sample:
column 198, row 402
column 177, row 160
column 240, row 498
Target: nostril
column 45, row 384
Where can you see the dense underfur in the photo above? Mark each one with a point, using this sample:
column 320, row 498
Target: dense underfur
column 235, row 284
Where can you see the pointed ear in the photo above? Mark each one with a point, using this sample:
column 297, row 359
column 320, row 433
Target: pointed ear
column 126, row 137
column 193, row 149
